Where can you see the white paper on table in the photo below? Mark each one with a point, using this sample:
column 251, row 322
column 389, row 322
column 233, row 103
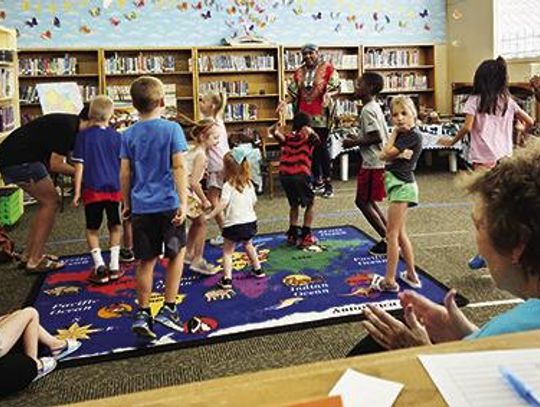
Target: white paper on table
column 473, row 378
column 357, row 389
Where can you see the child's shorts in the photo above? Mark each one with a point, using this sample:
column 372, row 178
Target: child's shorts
column 94, row 214
column 400, row 191
column 214, row 180
column 240, row 233
column 370, row 185
column 153, row 230
column 298, row 189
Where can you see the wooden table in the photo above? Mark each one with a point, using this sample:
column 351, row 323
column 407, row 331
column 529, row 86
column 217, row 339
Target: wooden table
column 307, row 382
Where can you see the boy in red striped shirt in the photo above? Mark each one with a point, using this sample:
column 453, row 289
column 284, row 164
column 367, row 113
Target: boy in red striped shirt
column 295, row 176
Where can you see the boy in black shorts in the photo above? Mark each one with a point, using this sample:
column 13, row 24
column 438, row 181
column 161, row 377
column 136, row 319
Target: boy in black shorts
column 295, row 176
column 97, row 182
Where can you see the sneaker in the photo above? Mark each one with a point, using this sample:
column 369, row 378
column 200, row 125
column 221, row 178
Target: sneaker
column 203, row 267
column 142, row 325
column 71, row 346
column 126, row 255
column 170, row 319
column 116, row 274
column 379, row 249
column 48, row 364
column 99, row 275
column 217, row 241
column 328, row 191
column 258, row 273
column 292, row 236
column 225, row 283
column 307, row 240
column 318, row 188
column 477, row 262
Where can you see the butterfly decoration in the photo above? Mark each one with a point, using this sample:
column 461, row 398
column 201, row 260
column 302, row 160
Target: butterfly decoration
column 337, row 28
column 139, row 3
column 378, row 27
column 287, row 2
column 229, row 23
column 2, row 15
column 32, row 22
column 206, row 15
column 259, row 9
column 114, row 21
column 209, row 3
column 95, row 12
column 47, row 35
column 376, row 16
column 17, row 32
column 231, row 10
column 317, row 16
column 427, row 27
column 402, row 24
column 387, row 19
column 457, row 14
column 351, row 18
column 182, row 6
column 335, row 15
column 359, row 26
column 275, row 5
column 298, row 11
column 424, row 13
column 197, row 6
column 85, row 29
column 56, row 22
column 131, row 16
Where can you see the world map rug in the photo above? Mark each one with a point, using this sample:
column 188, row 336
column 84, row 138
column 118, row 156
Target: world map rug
column 301, row 289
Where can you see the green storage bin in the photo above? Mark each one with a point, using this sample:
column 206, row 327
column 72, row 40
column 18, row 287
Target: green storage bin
column 11, row 205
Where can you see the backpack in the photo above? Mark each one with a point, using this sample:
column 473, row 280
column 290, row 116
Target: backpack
column 7, row 247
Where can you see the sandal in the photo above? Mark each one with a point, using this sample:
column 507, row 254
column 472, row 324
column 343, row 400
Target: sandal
column 379, row 283
column 414, row 284
column 45, row 265
column 23, row 260
column 71, row 346
column 48, row 364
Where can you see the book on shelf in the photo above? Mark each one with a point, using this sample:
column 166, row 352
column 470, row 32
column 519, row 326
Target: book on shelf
column 346, row 85
column 7, row 81
column 231, row 88
column 240, row 112
column 124, row 64
column 404, row 81
column 7, row 118
column 66, row 65
column 338, row 58
column 391, row 58
column 345, row 107
column 209, row 63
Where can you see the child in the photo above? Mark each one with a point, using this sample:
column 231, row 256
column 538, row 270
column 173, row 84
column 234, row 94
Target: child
column 154, row 187
column 205, row 135
column 490, row 112
column 97, row 182
column 295, row 176
column 401, row 153
column 212, row 105
column 373, row 133
column 238, row 200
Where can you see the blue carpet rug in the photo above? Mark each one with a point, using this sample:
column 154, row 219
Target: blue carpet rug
column 302, row 288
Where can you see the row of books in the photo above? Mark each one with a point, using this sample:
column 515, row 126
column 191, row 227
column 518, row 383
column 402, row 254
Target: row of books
column 240, row 111
column 120, row 94
column 340, row 60
column 387, row 58
column 236, row 63
column 526, row 103
column 29, row 94
column 6, row 82
column 345, row 107
column 231, row 88
column 7, row 118
column 405, row 81
column 117, row 64
column 66, row 65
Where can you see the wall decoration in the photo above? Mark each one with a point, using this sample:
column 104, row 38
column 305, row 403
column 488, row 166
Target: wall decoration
column 116, row 23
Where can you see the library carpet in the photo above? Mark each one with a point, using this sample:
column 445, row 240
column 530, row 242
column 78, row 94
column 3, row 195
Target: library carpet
column 301, row 289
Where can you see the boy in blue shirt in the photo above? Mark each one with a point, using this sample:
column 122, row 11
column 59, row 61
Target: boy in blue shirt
column 97, row 182
column 153, row 177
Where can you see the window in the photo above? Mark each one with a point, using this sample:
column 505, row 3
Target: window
column 517, row 26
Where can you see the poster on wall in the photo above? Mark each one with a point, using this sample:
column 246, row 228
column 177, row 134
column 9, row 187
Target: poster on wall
column 60, row 97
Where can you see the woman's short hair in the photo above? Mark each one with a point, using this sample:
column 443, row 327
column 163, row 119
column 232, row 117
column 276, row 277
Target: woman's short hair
column 510, row 192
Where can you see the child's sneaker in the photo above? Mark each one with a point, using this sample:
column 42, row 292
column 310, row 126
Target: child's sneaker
column 379, row 249
column 116, row 274
column 258, row 273
column 328, row 191
column 203, row 267
column 477, row 262
column 292, row 237
column 142, row 325
column 225, row 283
column 217, row 241
column 169, row 318
column 99, row 275
column 307, row 240
column 126, row 255
column 48, row 364
column 318, row 188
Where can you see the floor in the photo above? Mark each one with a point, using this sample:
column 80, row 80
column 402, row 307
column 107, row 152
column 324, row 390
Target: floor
column 441, row 232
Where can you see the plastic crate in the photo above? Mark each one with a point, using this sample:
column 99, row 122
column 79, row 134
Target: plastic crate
column 11, row 205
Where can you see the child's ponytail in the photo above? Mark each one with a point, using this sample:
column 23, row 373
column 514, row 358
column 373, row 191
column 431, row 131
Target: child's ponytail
column 201, row 127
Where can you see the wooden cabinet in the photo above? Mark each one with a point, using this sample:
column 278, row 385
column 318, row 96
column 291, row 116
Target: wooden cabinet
column 56, row 65
column 173, row 66
column 9, row 105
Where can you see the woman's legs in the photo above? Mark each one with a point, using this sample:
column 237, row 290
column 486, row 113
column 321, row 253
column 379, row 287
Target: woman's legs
column 23, row 323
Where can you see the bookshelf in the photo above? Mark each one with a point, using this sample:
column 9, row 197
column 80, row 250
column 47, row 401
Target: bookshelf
column 251, row 77
column 406, row 69
column 56, row 65
column 346, row 60
column 521, row 91
column 9, row 98
column 173, row 66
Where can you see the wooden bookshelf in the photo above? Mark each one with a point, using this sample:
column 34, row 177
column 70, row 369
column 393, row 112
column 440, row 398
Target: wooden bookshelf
column 346, row 60
column 81, row 66
column 173, row 66
column 9, row 97
column 251, row 78
column 406, row 69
